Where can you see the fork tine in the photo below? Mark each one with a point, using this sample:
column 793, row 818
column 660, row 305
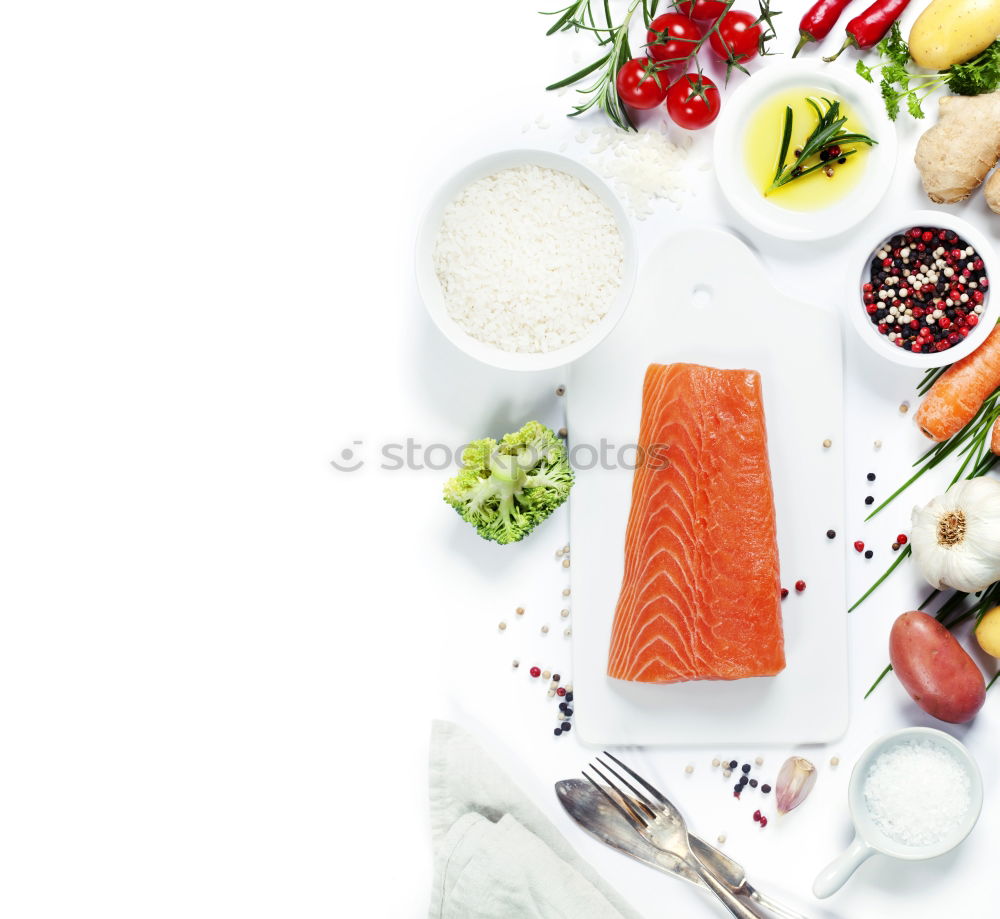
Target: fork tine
column 654, row 792
column 635, row 816
column 642, row 800
column 634, row 819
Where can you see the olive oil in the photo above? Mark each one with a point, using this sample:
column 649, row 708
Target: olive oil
column 762, row 145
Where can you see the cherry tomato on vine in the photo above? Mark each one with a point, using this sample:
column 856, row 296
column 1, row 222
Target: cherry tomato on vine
column 693, row 101
column 702, row 10
column 737, row 38
column 672, row 38
column 640, row 84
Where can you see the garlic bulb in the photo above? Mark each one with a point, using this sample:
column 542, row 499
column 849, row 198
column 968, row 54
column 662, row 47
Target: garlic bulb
column 956, row 538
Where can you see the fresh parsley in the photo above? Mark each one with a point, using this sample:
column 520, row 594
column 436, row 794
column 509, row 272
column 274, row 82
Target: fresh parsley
column 899, row 85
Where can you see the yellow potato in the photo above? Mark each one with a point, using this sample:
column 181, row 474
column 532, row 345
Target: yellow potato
column 951, row 31
column 988, row 632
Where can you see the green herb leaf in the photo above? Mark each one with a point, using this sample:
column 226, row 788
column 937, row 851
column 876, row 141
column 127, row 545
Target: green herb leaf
column 829, row 132
column 863, row 71
column 786, row 139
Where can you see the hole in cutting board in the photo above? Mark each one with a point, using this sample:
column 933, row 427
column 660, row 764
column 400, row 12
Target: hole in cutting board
column 701, row 295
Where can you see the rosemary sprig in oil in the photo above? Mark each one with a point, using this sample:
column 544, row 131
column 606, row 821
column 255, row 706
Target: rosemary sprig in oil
column 828, row 133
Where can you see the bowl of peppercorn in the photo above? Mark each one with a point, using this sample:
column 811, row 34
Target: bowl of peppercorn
column 923, row 295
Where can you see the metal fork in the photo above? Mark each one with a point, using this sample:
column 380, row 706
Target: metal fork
column 659, row 822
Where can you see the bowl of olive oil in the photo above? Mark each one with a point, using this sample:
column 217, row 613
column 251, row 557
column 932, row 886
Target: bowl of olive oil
column 804, row 151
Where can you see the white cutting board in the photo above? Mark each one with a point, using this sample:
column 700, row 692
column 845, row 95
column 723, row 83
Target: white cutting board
column 703, row 297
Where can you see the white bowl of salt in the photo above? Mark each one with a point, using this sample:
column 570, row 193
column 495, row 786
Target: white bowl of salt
column 914, row 794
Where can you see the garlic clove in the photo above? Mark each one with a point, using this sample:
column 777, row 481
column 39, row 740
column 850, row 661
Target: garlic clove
column 795, row 781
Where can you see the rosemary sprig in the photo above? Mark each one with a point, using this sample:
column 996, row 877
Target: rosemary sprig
column 603, row 92
column 829, row 132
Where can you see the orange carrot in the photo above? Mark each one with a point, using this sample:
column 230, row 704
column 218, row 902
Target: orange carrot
column 995, row 438
column 960, row 391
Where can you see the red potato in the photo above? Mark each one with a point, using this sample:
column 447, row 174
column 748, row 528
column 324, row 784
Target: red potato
column 935, row 669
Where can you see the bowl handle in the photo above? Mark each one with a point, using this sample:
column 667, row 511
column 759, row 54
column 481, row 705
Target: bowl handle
column 834, row 875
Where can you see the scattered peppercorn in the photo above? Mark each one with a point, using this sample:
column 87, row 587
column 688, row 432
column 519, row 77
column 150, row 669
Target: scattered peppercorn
column 561, row 691
column 869, row 554
column 557, row 731
column 715, row 763
column 830, row 534
column 569, row 694
column 828, row 443
column 869, row 500
column 763, row 822
column 895, row 547
column 546, row 674
column 784, row 592
column 766, row 789
column 515, row 664
column 567, row 725
column 859, row 546
column 746, row 768
column 799, row 586
column 753, row 783
column 560, row 390
column 689, row 768
column 871, row 476
column 733, row 764
column 756, row 816
column 835, row 761
column 519, row 611
column 901, row 539
column 759, row 761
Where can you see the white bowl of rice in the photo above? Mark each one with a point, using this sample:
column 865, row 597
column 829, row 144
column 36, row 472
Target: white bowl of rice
column 526, row 260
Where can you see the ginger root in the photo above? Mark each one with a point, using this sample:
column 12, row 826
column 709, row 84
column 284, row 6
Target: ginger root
column 992, row 194
column 955, row 155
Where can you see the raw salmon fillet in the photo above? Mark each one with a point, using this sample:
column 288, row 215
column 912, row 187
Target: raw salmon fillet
column 700, row 596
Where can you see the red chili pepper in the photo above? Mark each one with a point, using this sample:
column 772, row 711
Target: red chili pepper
column 818, row 21
column 869, row 28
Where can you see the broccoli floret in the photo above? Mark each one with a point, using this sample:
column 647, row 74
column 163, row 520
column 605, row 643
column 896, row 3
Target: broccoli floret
column 506, row 489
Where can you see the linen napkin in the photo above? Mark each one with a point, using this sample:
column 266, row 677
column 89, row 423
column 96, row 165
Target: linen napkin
column 496, row 855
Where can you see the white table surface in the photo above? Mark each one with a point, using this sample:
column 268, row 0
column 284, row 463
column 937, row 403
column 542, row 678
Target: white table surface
column 219, row 656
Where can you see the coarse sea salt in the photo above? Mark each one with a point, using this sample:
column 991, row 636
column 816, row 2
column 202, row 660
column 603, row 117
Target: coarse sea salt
column 917, row 792
column 529, row 259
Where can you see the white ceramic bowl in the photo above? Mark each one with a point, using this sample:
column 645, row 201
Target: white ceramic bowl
column 877, row 232
column 869, row 839
column 730, row 160
column 430, row 286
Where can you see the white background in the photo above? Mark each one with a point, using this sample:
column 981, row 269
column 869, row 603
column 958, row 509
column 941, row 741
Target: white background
column 219, row 657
